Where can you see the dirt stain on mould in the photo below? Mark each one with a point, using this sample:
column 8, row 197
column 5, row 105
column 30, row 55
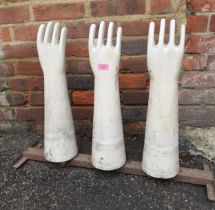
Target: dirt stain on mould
column 49, row 155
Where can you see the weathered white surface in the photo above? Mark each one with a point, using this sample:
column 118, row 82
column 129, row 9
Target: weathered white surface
column 60, row 142
column 202, row 138
column 108, row 150
column 161, row 151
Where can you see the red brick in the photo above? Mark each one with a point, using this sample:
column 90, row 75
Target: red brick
column 26, row 114
column 201, row 116
column 28, row 68
column 134, row 128
column 78, row 66
column 80, row 82
column 141, row 27
column 82, row 97
column 59, row 11
column 37, row 99
column 161, row 6
column 27, row 84
column 21, row 84
column 83, row 128
column 211, row 62
column 135, row 97
column 210, row 97
column 39, row 84
column 196, row 97
column 17, row 14
column 78, row 30
column 132, row 81
column 12, row 98
column 133, row 64
column 198, row 79
column 197, row 24
column 195, row 62
column 6, row 69
column 201, row 5
column 29, row 32
column 19, row 51
column 5, row 34
column 201, row 44
column 22, row 114
column 212, row 24
column 135, row 28
column 136, row 113
column 117, row 7
column 134, row 47
column 25, row 33
column 82, row 113
column 13, row 1
column 15, row 98
column 190, row 97
column 77, row 48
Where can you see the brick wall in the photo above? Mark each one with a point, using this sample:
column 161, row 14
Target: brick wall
column 21, row 79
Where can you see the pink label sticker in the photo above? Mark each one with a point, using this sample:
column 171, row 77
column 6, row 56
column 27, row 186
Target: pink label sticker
column 103, row 67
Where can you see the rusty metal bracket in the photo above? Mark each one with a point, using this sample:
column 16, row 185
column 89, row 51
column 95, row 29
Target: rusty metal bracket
column 203, row 177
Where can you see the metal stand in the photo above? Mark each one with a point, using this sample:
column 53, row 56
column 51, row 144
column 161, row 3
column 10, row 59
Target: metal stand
column 193, row 176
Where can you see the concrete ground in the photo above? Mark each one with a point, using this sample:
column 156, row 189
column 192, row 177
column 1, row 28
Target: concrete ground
column 48, row 186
